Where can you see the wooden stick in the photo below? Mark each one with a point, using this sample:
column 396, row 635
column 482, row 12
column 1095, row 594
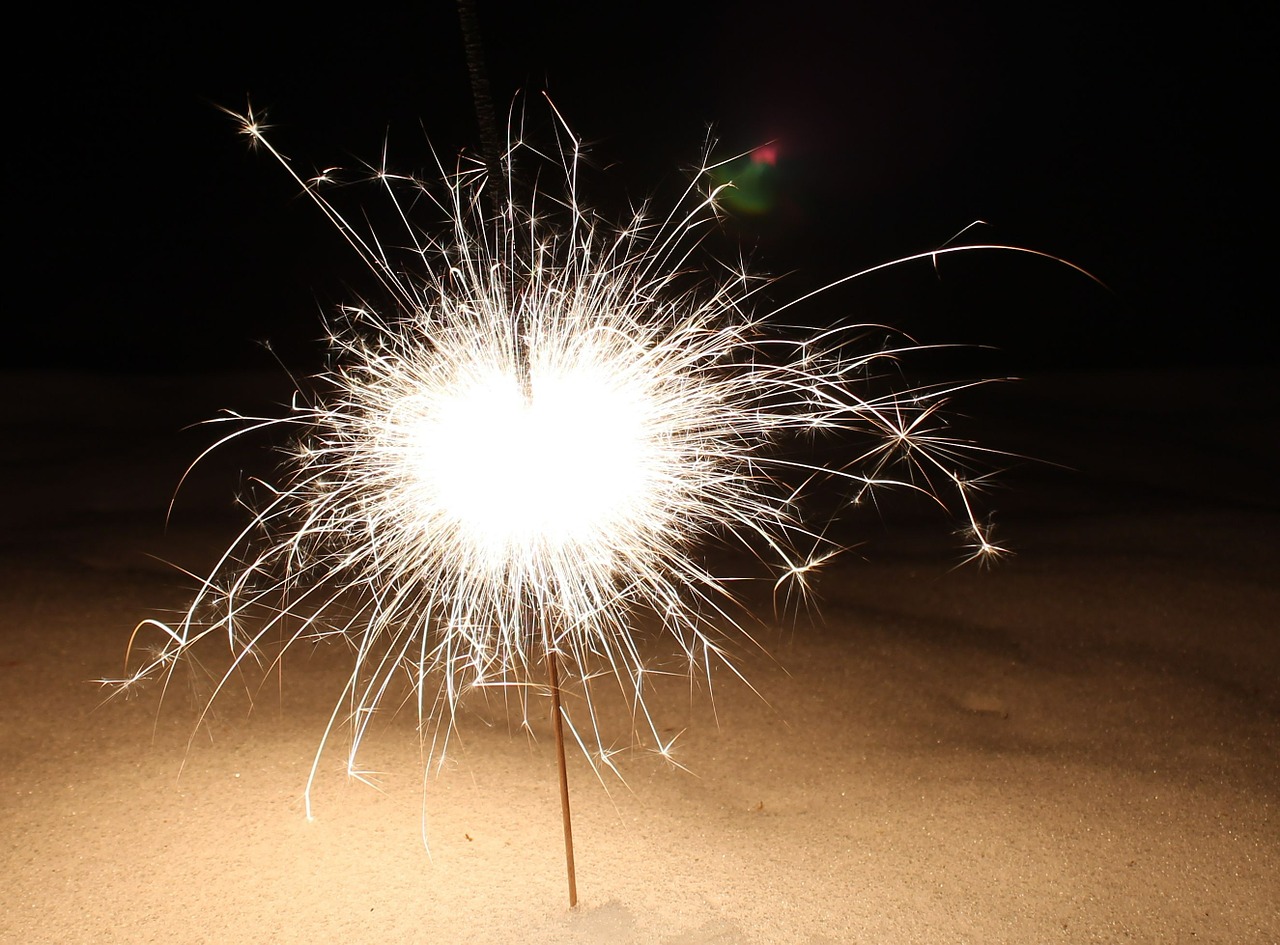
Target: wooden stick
column 553, row 673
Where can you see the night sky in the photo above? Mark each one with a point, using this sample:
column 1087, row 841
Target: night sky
column 150, row 239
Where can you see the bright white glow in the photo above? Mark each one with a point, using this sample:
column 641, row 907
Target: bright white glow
column 568, row 466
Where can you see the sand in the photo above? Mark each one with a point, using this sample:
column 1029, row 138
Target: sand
column 1078, row 745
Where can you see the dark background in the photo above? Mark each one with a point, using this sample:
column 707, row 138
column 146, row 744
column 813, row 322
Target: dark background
column 150, row 239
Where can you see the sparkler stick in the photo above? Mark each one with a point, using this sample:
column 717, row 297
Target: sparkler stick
column 554, row 675
column 481, row 97
column 483, row 102
column 555, row 422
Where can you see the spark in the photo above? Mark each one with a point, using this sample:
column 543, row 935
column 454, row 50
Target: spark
column 532, row 451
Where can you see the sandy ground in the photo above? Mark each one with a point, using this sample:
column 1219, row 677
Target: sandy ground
column 1079, row 745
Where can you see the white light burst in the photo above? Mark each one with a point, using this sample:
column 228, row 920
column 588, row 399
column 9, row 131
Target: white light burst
column 530, row 455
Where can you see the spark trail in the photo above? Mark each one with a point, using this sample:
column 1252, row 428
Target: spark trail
column 529, row 454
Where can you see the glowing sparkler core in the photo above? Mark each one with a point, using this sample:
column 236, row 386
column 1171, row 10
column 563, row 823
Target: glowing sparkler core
column 557, row 472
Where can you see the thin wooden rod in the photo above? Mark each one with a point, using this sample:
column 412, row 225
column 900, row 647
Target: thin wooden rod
column 554, row 674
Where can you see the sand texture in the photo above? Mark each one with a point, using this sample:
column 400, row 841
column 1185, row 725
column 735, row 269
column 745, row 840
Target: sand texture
column 1078, row 745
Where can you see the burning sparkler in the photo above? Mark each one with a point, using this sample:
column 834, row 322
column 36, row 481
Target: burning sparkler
column 522, row 462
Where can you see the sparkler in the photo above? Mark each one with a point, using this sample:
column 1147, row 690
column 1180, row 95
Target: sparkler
column 522, row 462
